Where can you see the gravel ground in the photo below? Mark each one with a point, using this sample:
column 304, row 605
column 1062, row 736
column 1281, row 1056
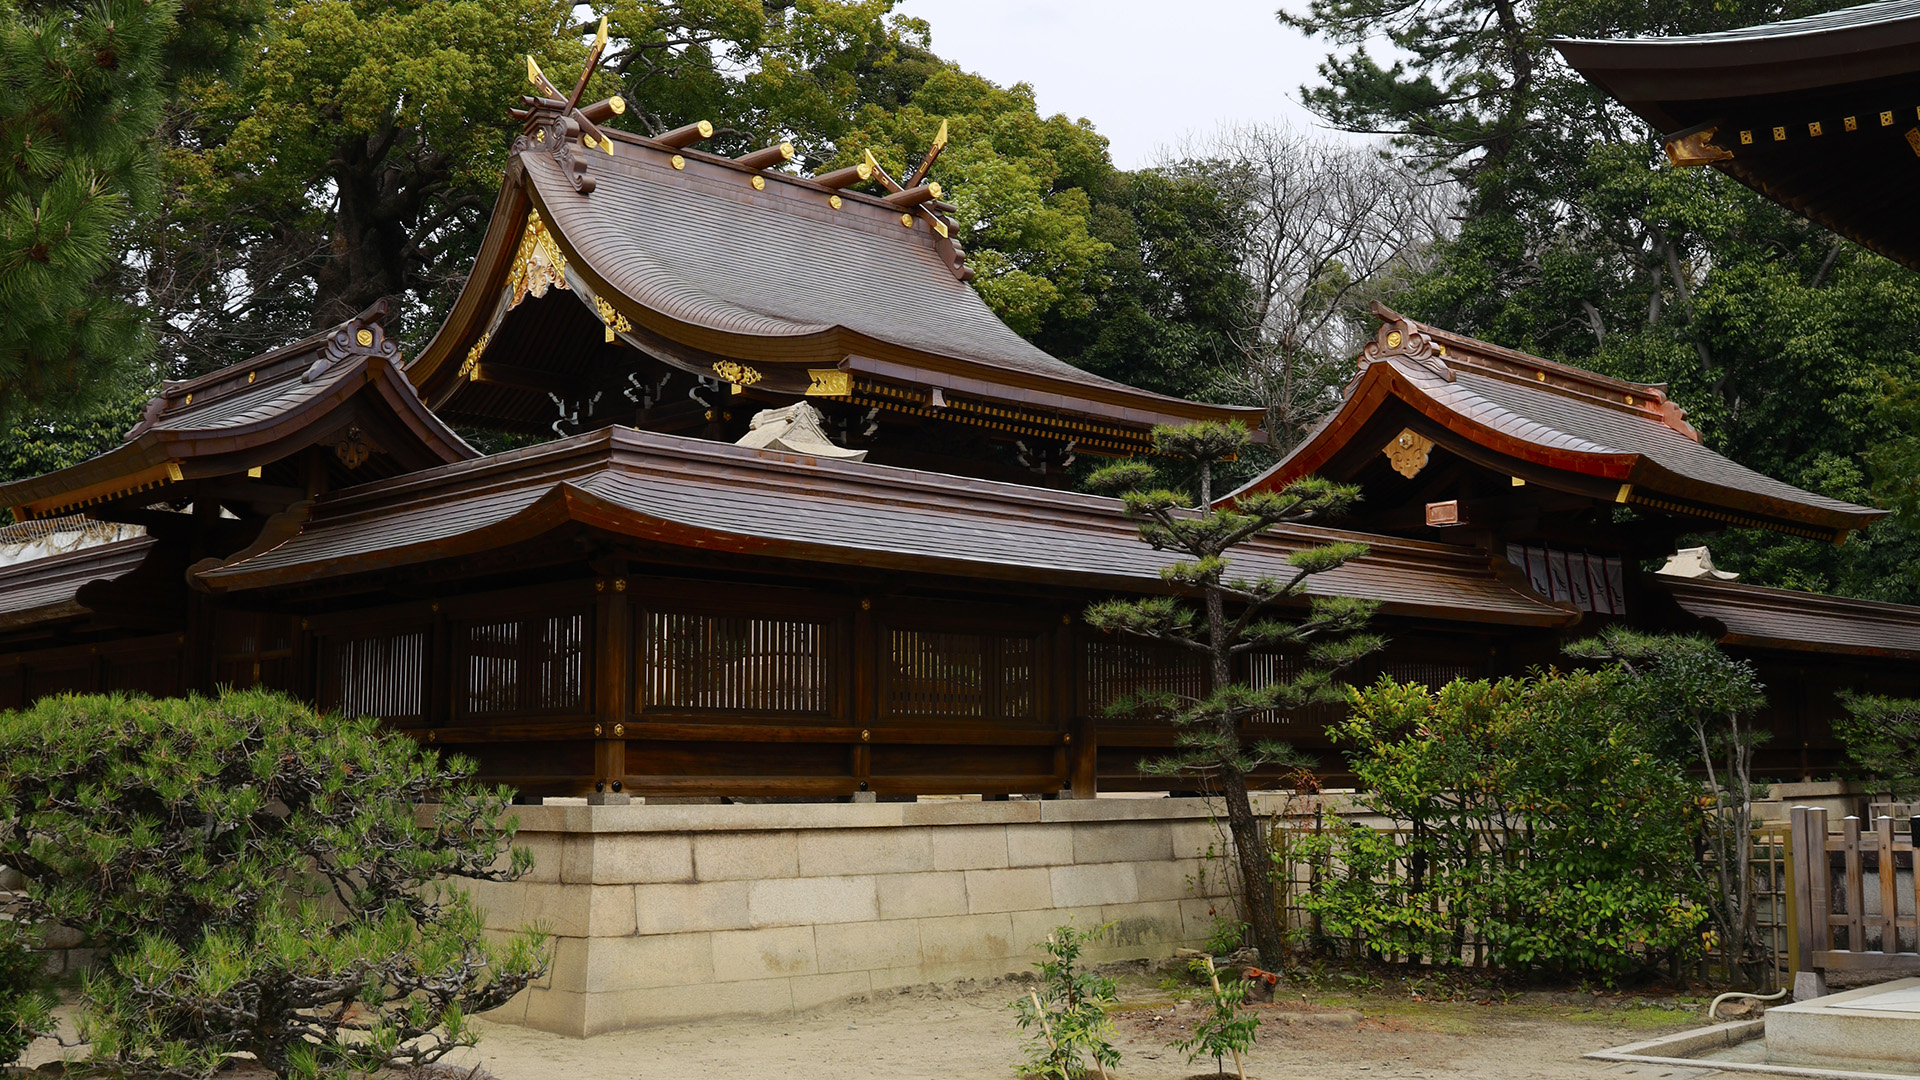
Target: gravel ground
column 968, row 1032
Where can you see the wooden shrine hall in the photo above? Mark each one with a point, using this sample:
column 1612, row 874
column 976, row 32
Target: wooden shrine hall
column 800, row 529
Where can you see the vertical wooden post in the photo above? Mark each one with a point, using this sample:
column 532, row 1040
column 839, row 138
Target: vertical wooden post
column 1798, row 936
column 1084, row 753
column 867, row 650
column 1889, row 894
column 1819, row 882
column 438, row 703
column 1856, row 910
column 1913, row 860
column 1809, row 839
column 612, row 679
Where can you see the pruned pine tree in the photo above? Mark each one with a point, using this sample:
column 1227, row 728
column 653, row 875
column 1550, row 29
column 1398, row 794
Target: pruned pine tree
column 1222, row 617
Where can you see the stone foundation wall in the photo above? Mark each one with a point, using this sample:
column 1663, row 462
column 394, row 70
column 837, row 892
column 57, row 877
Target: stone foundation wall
column 671, row 913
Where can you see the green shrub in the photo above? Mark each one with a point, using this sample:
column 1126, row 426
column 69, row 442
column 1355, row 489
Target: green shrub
column 1066, row 1019
column 1882, row 736
column 262, row 879
column 26, row 1008
column 1227, row 1028
column 1542, row 816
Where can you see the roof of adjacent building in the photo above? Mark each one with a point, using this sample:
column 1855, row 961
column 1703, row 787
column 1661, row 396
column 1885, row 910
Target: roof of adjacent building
column 706, row 268
column 1820, row 114
column 47, row 589
column 1806, row 622
column 1551, row 424
column 254, row 413
column 720, row 497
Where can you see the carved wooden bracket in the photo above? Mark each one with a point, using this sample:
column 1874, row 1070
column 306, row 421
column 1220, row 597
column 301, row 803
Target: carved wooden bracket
column 1408, row 452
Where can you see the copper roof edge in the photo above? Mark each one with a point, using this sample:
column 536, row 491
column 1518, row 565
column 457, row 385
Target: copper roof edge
column 52, row 565
column 148, row 444
column 562, row 459
column 1739, row 590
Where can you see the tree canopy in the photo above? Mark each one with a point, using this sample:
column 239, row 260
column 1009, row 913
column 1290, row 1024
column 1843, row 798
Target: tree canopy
column 1791, row 349
column 82, row 90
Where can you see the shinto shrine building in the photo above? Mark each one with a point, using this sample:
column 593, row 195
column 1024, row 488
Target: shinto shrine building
column 800, row 532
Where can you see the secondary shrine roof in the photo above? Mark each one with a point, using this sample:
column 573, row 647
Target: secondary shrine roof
column 254, row 413
column 45, row 589
column 1550, row 424
column 1820, row 114
column 757, row 276
column 1785, row 619
column 715, row 496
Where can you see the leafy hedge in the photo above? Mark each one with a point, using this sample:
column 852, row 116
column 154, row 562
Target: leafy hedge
column 263, row 879
column 1545, row 820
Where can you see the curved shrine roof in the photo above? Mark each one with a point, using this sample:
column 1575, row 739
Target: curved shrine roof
column 705, row 267
column 1551, row 424
column 1821, row 114
column 717, row 496
column 251, row 414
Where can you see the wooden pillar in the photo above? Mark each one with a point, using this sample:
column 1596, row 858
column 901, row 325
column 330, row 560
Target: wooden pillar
column 612, row 678
column 1082, row 733
column 866, row 692
column 437, row 701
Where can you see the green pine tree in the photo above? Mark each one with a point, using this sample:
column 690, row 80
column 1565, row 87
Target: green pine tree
column 83, row 94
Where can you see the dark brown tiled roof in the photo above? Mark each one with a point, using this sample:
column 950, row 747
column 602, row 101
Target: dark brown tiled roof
column 705, row 262
column 42, row 589
column 1799, row 621
column 718, row 496
column 1553, row 418
column 250, row 414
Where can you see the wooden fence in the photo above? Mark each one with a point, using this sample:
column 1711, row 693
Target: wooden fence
column 1855, row 895
column 1774, row 877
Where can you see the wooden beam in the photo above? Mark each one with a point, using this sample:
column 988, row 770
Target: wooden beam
column 571, row 387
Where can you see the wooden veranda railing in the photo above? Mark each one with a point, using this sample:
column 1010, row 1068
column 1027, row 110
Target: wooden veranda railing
column 1855, row 895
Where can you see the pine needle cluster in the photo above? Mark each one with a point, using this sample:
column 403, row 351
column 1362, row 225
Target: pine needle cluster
column 264, row 880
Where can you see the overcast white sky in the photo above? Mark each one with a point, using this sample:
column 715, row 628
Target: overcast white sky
column 1145, row 74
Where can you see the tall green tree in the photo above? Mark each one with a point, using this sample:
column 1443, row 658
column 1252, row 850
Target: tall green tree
column 1172, row 296
column 82, row 92
column 357, row 156
column 1579, row 243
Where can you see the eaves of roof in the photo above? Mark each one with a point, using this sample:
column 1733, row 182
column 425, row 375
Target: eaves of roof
column 1834, row 48
column 1560, row 427
column 241, row 417
column 720, row 497
column 1783, row 619
column 42, row 590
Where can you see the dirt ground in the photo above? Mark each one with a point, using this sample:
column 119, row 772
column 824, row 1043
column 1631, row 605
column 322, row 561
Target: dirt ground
column 968, row 1031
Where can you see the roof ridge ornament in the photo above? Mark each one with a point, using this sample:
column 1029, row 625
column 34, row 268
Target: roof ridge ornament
column 362, row 335
column 1401, row 336
column 920, row 195
column 554, row 121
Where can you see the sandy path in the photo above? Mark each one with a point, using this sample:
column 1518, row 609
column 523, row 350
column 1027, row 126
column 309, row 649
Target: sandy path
column 970, row 1034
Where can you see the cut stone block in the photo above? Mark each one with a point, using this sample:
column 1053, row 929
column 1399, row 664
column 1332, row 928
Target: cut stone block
column 1874, row 1023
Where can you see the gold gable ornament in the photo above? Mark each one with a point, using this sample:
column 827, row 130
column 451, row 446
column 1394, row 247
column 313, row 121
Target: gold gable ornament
column 539, row 264
column 1408, row 452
